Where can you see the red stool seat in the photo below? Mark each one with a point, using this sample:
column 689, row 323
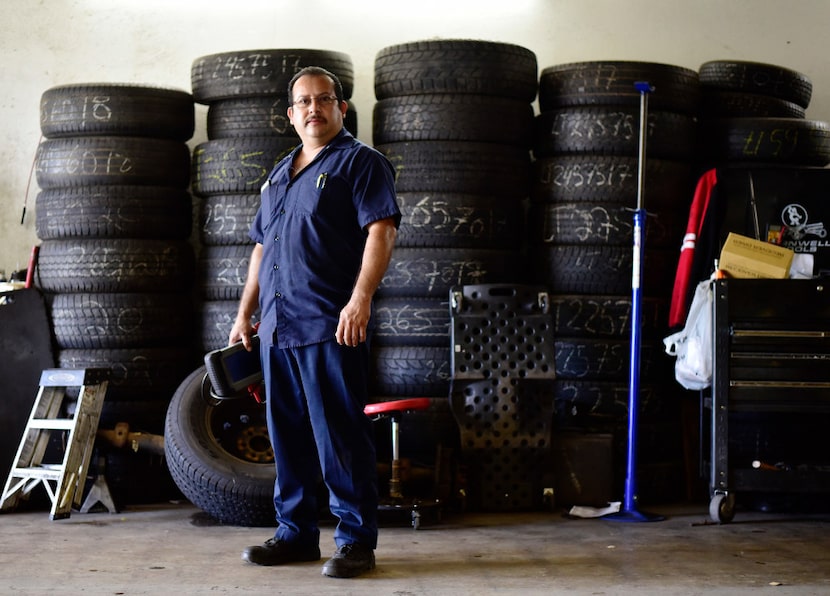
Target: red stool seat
column 397, row 405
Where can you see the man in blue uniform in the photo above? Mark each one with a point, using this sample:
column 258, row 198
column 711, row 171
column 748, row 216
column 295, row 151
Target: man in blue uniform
column 324, row 235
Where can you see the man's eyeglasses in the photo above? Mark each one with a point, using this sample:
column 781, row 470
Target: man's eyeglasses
column 323, row 101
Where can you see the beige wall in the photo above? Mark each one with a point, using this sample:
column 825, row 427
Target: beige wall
column 44, row 43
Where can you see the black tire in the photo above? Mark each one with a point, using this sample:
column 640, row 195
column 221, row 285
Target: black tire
column 612, row 178
column 107, row 109
column 249, row 117
column 613, row 131
column 677, row 89
column 259, row 116
column 757, row 77
column 458, row 220
column 237, row 165
column 458, row 66
column 114, row 265
column 589, row 401
column 411, row 321
column 431, row 272
column 113, row 212
column 602, row 359
column 227, row 219
column 789, row 141
column 223, row 271
column 250, row 73
column 98, row 160
column 598, row 223
column 460, row 167
column 146, row 374
column 576, row 269
column 218, row 456
column 217, row 318
column 120, row 320
column 448, row 117
column 584, row 315
column 715, row 103
column 406, row 371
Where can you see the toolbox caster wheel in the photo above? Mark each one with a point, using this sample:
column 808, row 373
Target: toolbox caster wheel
column 722, row 508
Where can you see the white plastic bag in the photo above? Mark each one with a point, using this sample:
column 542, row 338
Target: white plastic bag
column 693, row 344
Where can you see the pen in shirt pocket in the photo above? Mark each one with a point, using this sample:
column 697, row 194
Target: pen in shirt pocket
column 321, row 180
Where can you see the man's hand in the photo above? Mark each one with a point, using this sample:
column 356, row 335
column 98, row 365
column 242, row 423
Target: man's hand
column 241, row 331
column 354, row 319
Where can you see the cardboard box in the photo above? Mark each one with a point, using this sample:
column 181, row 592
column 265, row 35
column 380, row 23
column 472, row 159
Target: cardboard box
column 744, row 257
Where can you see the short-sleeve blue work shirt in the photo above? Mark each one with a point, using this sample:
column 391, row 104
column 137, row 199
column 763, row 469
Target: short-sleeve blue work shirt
column 313, row 230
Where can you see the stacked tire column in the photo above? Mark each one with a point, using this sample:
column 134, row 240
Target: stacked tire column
column 113, row 215
column 454, row 117
column 248, row 133
column 584, row 191
column 754, row 114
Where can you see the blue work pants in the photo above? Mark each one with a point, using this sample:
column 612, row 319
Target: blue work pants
column 315, row 398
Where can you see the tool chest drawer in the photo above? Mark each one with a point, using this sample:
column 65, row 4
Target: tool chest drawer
column 772, row 344
column 770, row 389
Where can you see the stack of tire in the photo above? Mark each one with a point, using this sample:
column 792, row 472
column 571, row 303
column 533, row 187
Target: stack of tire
column 585, row 188
column 754, row 113
column 454, row 117
column 114, row 217
column 220, row 455
column 248, row 133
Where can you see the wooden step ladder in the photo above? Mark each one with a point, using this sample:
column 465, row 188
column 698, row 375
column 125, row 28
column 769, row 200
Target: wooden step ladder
column 69, row 476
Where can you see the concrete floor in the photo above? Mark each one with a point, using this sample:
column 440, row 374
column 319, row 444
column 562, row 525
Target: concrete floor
column 174, row 548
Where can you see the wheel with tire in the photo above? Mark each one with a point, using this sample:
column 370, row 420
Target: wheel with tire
column 411, row 321
column 113, row 109
column 458, row 66
column 431, row 272
column 113, row 212
column 606, row 270
column 137, row 373
column 459, row 220
column 220, row 456
column 259, row 116
column 585, row 315
column 404, row 371
column 227, row 219
column 223, row 271
column 757, row 77
column 611, row 178
column 613, row 131
column 612, row 83
column 97, row 160
column 238, row 164
column 715, row 103
column 217, row 318
column 249, row 73
column 793, row 141
column 602, row 359
column 601, row 224
column 457, row 167
column 449, row 117
column 114, row 265
column 722, row 508
column 120, row 320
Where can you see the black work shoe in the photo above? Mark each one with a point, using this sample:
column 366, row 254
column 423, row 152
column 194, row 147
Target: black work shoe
column 280, row 552
column 350, row 560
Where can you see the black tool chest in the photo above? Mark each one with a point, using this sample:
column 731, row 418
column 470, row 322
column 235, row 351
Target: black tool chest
column 770, row 395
